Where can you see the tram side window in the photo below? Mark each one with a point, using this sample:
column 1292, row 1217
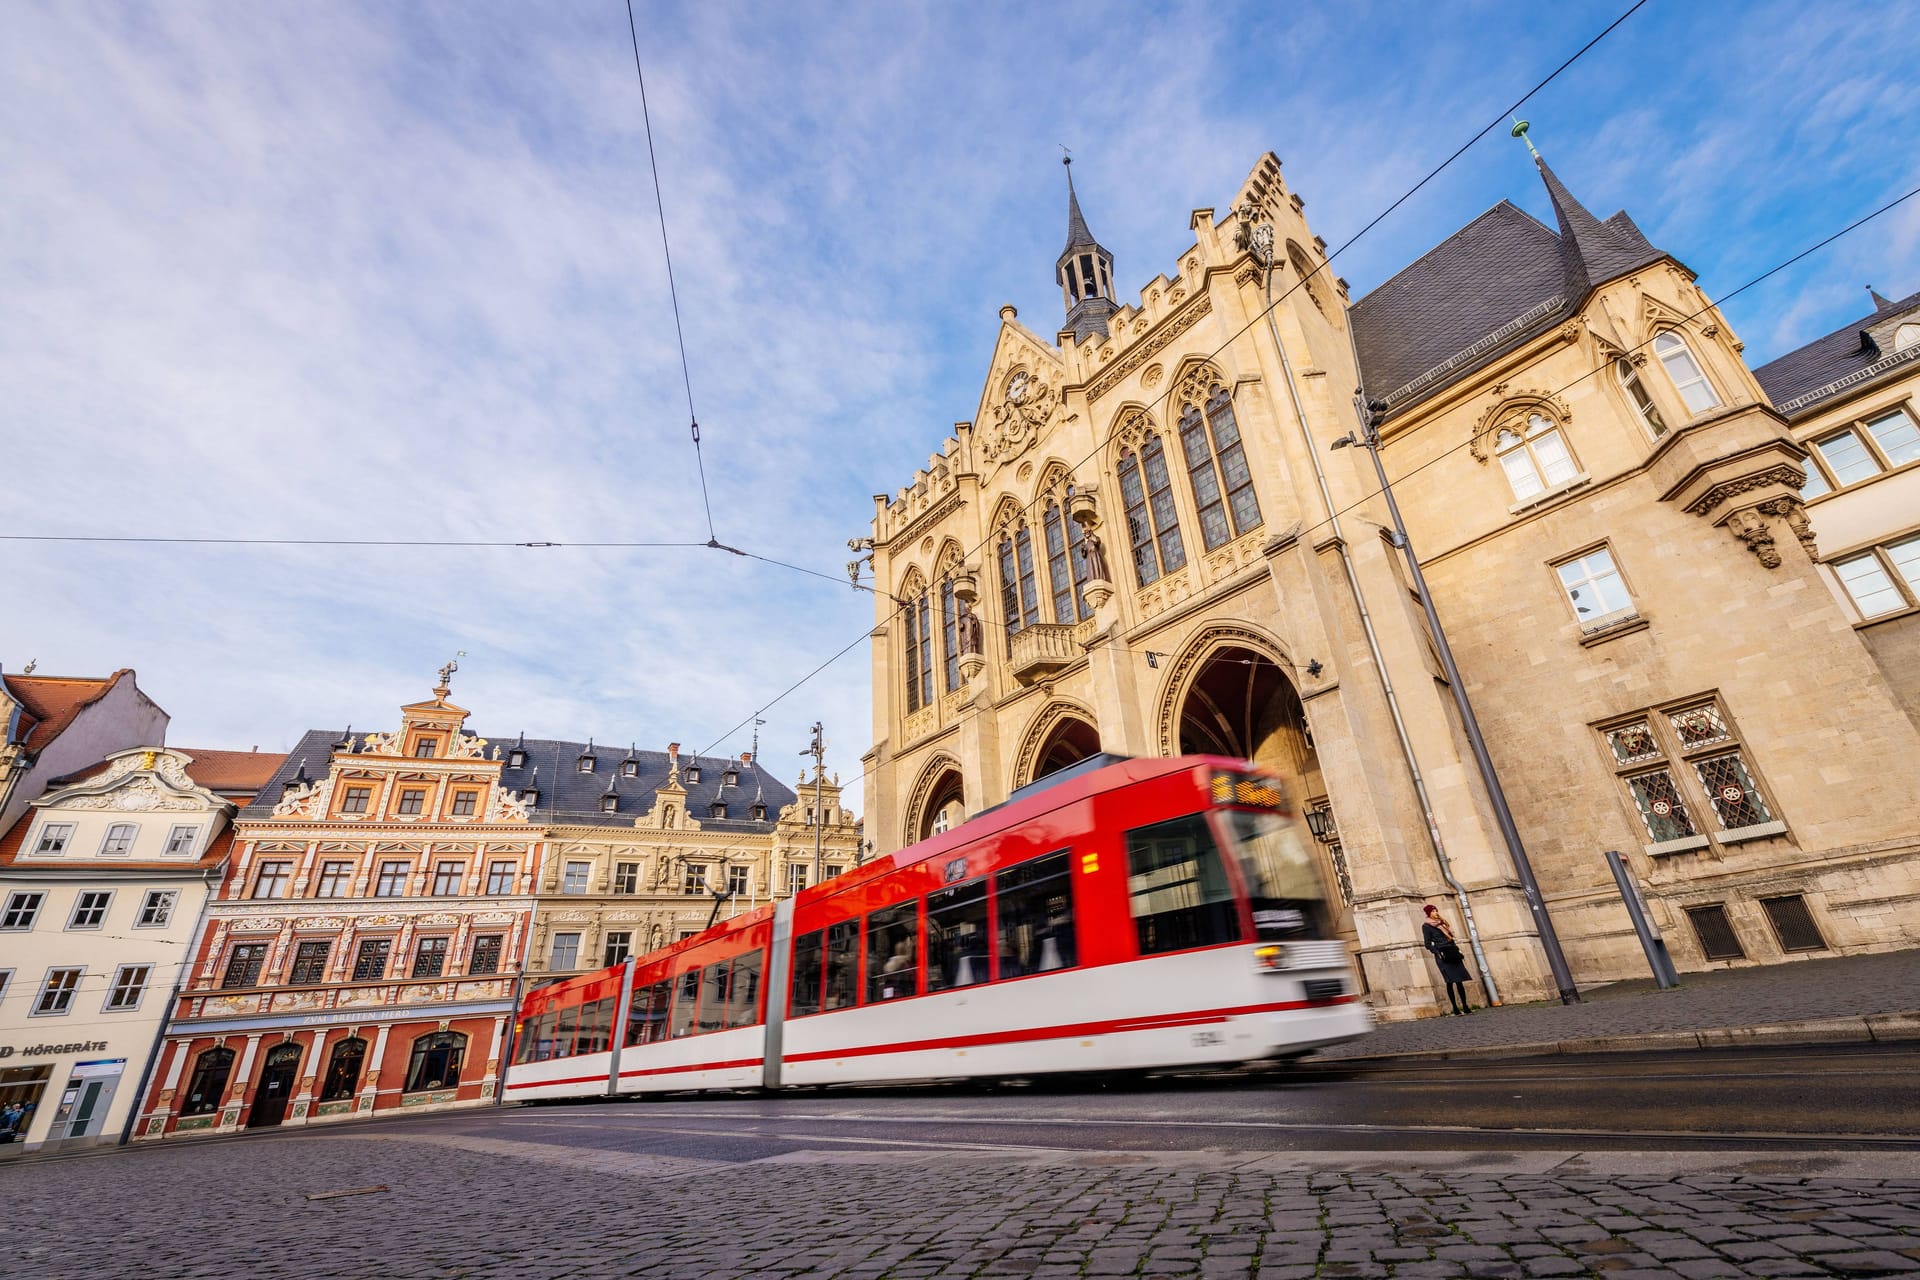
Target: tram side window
column 743, row 1003
column 596, row 1026
column 536, row 1039
column 647, row 1018
column 843, row 963
column 565, row 1030
column 1178, row 886
column 686, row 999
column 893, row 952
column 713, row 997
column 808, row 956
column 1034, row 906
column 957, row 936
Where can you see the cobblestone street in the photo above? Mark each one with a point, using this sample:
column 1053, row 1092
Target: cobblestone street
column 436, row 1203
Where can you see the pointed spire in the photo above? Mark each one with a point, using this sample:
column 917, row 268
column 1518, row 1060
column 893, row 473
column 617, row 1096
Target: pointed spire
column 1592, row 252
column 1880, row 304
column 1084, row 272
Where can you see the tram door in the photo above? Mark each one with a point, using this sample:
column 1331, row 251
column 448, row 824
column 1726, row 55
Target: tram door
column 276, row 1086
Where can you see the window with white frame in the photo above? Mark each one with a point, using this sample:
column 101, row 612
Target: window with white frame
column 737, row 880
column 272, row 880
column 119, row 839
column 1862, row 451
column 1689, row 379
column 1884, row 579
column 619, row 946
column 54, row 838
column 22, row 909
column 56, row 994
column 1637, row 393
column 566, row 951
column 129, row 984
column 1683, row 762
column 334, row 881
column 626, row 877
column 90, row 909
column 693, row 878
column 575, row 880
column 156, row 909
column 1595, row 589
column 1535, row 457
column 796, row 877
column 180, row 840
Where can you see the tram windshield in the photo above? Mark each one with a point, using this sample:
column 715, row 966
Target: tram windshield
column 1288, row 898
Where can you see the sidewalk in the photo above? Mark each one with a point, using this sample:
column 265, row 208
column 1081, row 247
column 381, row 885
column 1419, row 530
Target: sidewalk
column 1846, row 998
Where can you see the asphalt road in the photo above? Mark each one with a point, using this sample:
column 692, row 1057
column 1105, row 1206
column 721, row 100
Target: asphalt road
column 1839, row 1098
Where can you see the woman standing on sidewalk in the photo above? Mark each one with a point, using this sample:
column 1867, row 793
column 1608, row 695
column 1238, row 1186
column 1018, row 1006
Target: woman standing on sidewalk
column 1437, row 936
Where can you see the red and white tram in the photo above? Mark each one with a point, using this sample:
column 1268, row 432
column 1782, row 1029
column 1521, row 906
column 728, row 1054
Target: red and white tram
column 1120, row 915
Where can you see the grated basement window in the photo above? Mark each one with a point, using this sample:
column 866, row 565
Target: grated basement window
column 1717, row 937
column 1793, row 924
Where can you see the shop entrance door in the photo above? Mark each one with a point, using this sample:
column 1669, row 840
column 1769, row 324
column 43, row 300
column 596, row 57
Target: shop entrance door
column 276, row 1086
column 83, row 1103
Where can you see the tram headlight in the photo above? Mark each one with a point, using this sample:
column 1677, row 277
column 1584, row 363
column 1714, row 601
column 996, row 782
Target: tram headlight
column 1271, row 957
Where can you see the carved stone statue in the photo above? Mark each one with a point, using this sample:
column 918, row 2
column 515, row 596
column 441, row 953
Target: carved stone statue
column 968, row 627
column 1094, row 556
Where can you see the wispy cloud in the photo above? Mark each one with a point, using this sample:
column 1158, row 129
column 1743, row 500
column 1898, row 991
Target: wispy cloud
column 394, row 272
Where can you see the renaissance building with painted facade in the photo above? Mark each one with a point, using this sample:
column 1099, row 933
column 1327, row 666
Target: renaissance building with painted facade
column 1151, row 539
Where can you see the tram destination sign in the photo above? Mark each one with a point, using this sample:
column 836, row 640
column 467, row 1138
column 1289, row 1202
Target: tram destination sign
column 50, row 1050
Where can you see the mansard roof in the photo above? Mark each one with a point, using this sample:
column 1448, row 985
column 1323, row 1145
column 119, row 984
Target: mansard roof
column 1848, row 358
column 570, row 797
column 1494, row 284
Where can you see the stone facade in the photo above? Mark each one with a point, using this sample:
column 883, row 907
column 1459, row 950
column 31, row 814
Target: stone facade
column 1149, row 541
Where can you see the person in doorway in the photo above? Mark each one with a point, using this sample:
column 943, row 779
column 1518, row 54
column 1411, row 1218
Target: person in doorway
column 1437, row 936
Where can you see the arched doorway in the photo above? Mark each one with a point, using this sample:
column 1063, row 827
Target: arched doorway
column 939, row 802
column 1069, row 742
column 1239, row 702
column 276, row 1086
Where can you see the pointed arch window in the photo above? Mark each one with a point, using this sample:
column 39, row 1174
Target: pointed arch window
column 919, row 650
column 1689, row 379
column 1536, row 461
column 1019, row 596
column 950, row 633
column 1217, row 468
column 1066, row 566
column 1642, row 402
column 1153, row 528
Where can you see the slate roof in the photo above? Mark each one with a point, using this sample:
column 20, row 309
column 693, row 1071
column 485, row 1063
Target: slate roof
column 51, row 702
column 1078, row 237
column 1848, row 351
column 1490, row 286
column 573, row 798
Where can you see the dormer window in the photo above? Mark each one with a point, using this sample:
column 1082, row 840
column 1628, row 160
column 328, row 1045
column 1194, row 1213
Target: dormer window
column 609, row 804
column 760, row 813
column 516, row 759
column 630, row 769
column 693, row 773
column 718, row 811
column 531, row 795
column 585, row 765
column 426, row 748
column 733, row 778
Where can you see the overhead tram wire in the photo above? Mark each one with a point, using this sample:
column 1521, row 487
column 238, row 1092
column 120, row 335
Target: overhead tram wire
column 1352, row 240
column 335, row 542
column 673, row 292
column 1371, row 494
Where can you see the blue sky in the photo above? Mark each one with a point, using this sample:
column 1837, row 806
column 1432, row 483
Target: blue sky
column 382, row 271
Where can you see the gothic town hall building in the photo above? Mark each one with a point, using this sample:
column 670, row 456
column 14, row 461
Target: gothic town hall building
column 1147, row 542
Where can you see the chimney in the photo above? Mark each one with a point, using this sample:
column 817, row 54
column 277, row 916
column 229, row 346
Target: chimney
column 746, row 757
column 673, row 750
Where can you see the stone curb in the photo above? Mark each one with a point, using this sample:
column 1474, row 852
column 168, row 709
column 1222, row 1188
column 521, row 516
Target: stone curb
column 1854, row 1029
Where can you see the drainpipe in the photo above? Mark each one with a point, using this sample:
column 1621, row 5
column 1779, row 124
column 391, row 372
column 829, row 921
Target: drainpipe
column 1373, row 645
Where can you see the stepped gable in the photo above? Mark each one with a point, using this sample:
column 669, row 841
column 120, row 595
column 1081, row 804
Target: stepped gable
column 1830, row 359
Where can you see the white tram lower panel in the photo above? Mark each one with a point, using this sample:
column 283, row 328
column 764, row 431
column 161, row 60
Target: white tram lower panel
column 1199, row 1008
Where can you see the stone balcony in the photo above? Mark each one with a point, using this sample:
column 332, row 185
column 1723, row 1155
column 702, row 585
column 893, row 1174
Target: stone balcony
column 1040, row 650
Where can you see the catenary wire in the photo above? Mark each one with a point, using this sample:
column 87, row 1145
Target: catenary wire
column 1371, row 493
column 666, row 251
column 1106, row 439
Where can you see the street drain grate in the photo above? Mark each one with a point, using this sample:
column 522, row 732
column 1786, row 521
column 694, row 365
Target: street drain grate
column 348, row 1191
